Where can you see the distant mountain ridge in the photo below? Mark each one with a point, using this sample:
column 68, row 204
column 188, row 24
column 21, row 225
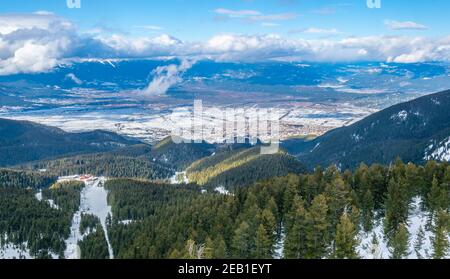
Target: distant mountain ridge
column 415, row 131
column 24, row 141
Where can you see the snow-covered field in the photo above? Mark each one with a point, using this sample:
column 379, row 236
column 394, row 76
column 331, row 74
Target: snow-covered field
column 297, row 119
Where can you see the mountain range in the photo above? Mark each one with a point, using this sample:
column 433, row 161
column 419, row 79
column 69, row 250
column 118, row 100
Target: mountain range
column 415, row 131
column 23, row 141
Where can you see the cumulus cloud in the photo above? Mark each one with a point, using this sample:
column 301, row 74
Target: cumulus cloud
column 404, row 25
column 33, row 43
column 41, row 41
column 372, row 48
column 167, row 76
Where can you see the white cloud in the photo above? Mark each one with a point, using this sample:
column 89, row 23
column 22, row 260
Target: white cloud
column 43, row 13
column 269, row 24
column 74, row 78
column 39, row 42
column 167, row 76
column 39, row 20
column 33, row 43
column 253, row 15
column 149, row 27
column 404, row 25
column 320, row 31
column 374, row 48
column 274, row 17
column 236, row 13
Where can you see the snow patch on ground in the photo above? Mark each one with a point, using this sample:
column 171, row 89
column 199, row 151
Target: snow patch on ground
column 417, row 219
column 279, row 245
column 39, row 195
column 10, row 251
column 126, row 222
column 315, row 147
column 179, row 178
column 72, row 248
column 357, row 138
column 401, row 116
column 435, row 101
column 221, row 190
column 367, row 250
column 49, row 201
column 440, row 153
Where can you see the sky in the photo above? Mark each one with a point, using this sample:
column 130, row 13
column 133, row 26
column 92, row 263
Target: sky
column 37, row 35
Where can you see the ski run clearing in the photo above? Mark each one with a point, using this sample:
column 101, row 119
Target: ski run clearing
column 93, row 201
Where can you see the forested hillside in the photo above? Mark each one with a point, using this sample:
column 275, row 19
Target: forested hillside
column 375, row 212
column 180, row 156
column 38, row 223
column 105, row 164
column 241, row 167
column 23, row 141
column 25, row 179
column 415, row 131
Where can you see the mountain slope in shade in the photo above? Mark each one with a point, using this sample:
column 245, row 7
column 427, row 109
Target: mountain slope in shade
column 181, row 155
column 415, row 131
column 23, row 141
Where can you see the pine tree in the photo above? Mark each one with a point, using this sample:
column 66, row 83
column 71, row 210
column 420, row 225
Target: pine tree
column 375, row 247
column 208, row 251
column 440, row 239
column 434, row 195
column 368, row 208
column 338, row 198
column 241, row 242
column 399, row 243
column 288, row 197
column 418, row 245
column 317, row 228
column 397, row 206
column 263, row 248
column 295, row 242
column 269, row 224
column 346, row 240
column 220, row 248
